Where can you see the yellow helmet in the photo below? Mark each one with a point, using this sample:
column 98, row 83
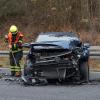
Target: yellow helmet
column 13, row 29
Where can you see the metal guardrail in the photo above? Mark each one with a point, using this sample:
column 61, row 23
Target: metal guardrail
column 6, row 53
column 94, row 52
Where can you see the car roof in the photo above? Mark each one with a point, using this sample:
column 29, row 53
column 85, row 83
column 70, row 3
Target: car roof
column 56, row 36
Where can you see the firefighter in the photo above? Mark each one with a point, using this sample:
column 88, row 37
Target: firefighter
column 14, row 39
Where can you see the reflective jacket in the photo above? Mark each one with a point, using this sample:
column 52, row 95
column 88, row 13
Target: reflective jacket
column 17, row 41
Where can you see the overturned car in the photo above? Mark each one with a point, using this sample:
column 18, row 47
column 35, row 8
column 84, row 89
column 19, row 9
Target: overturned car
column 59, row 56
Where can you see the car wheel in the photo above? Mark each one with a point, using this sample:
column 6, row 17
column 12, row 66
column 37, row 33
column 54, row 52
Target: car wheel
column 84, row 71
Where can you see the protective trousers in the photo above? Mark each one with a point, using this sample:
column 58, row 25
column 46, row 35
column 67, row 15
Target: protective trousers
column 15, row 58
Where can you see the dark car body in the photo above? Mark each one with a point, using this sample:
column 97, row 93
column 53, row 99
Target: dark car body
column 57, row 55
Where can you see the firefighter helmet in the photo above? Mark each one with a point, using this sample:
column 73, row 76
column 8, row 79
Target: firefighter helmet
column 13, row 29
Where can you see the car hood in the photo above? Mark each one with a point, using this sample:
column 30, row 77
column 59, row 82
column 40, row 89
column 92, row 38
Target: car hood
column 64, row 44
column 64, row 41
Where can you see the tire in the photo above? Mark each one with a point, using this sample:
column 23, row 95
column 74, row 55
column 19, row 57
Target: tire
column 84, row 71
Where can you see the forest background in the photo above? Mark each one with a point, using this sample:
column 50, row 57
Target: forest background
column 35, row 16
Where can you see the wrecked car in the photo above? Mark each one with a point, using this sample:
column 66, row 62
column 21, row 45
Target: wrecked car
column 59, row 56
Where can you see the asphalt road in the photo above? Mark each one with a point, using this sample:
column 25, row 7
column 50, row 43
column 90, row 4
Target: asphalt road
column 81, row 92
column 91, row 91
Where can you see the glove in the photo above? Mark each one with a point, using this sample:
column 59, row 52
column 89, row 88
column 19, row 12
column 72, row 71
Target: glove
column 6, row 36
column 6, row 39
column 9, row 46
column 19, row 45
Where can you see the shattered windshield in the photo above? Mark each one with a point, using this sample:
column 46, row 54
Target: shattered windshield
column 56, row 36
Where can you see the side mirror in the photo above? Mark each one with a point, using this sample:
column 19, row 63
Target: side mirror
column 27, row 45
column 87, row 45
